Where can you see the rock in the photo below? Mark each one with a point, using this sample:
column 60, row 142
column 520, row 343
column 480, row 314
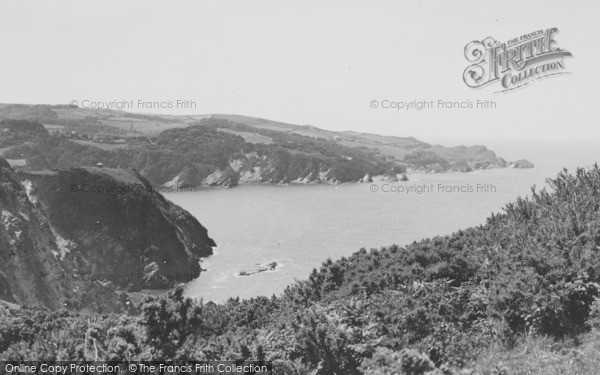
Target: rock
column 460, row 166
column 366, row 178
column 391, row 177
column 436, row 168
column 36, row 266
column 260, row 268
column 30, row 270
column 191, row 175
column 502, row 163
column 482, row 165
column 522, row 163
column 403, row 178
column 227, row 177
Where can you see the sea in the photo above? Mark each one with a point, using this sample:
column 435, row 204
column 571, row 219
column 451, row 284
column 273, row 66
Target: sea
column 300, row 226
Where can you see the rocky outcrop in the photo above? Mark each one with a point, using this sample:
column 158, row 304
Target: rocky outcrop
column 366, row 178
column 500, row 163
column 461, row 166
column 72, row 238
column 259, row 269
column 119, row 228
column 30, row 271
column 33, row 268
column 227, row 177
column 254, row 168
column 390, row 177
column 522, row 163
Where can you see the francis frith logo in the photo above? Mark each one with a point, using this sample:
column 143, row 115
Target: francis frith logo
column 515, row 63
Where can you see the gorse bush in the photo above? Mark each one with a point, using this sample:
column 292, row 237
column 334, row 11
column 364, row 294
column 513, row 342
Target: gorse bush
column 437, row 304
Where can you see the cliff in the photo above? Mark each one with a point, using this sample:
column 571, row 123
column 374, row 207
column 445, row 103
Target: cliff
column 120, row 228
column 29, row 270
column 33, row 270
column 71, row 238
column 280, row 167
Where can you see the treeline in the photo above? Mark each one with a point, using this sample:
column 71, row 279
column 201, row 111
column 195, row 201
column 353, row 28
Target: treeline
column 431, row 307
column 14, row 132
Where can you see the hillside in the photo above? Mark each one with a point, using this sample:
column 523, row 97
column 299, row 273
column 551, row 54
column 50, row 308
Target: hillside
column 519, row 294
column 407, row 151
column 30, row 272
column 15, row 132
column 165, row 149
column 70, row 238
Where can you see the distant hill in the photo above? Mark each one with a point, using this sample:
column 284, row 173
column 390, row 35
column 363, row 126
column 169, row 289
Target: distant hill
column 248, row 149
column 396, row 148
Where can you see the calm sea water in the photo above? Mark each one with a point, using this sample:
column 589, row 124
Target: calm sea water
column 300, row 226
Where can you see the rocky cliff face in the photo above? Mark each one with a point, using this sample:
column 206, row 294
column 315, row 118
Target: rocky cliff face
column 120, row 228
column 440, row 159
column 33, row 266
column 249, row 168
column 70, row 238
column 252, row 167
column 30, row 267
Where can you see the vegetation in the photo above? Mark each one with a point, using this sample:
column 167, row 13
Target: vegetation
column 37, row 113
column 345, row 156
column 516, row 295
column 202, row 149
column 13, row 132
column 422, row 158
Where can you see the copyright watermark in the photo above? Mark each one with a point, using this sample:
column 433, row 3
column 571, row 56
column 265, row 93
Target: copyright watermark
column 127, row 367
column 433, row 104
column 418, row 189
column 124, row 189
column 134, row 104
column 515, row 63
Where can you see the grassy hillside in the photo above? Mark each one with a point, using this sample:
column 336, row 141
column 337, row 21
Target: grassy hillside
column 404, row 151
column 209, row 146
column 518, row 295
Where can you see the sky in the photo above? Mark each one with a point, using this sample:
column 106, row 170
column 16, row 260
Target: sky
column 304, row 62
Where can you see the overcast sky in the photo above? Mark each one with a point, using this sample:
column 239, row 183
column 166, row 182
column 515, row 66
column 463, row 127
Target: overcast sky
column 303, row 62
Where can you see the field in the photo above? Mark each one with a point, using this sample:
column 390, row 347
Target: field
column 250, row 137
column 104, row 146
